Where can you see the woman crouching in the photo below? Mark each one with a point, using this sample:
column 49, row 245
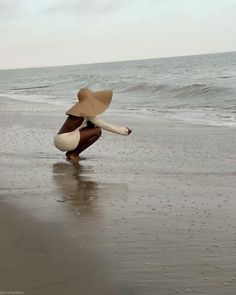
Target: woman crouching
column 82, row 128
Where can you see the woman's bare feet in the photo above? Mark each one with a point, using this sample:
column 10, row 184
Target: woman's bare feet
column 72, row 157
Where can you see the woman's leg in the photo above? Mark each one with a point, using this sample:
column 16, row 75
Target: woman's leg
column 87, row 137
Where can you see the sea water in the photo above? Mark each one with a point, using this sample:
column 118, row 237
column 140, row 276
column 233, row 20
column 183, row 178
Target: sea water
column 197, row 89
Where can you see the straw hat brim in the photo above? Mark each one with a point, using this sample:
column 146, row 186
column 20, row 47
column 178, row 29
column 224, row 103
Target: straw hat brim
column 91, row 103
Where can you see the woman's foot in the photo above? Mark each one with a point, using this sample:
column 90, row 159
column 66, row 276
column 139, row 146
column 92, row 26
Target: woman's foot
column 72, row 157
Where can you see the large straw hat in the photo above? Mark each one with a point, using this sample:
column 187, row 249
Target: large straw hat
column 91, row 103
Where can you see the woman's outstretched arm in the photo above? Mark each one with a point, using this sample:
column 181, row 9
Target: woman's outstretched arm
column 109, row 127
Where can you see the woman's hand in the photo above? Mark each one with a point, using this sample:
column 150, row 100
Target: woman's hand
column 129, row 130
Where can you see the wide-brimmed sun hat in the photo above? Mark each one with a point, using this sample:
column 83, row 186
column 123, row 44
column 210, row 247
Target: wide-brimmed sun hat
column 91, row 103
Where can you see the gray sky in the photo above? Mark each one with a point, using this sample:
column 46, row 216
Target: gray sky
column 58, row 32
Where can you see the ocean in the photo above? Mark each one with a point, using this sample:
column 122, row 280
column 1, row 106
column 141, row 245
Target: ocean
column 198, row 89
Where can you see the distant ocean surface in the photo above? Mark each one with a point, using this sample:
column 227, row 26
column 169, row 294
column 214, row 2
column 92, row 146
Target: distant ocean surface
column 197, row 89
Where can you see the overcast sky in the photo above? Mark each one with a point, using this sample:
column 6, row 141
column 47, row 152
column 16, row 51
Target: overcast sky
column 59, row 32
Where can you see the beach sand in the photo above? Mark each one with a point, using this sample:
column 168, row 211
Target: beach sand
column 151, row 213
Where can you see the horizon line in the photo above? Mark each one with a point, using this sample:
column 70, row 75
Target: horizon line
column 116, row 61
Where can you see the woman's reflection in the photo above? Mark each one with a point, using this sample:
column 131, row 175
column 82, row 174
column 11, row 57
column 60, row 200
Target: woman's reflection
column 75, row 187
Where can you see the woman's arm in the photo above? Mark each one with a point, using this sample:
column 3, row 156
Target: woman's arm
column 109, row 127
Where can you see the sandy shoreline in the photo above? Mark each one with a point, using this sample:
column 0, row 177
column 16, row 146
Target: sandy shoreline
column 153, row 213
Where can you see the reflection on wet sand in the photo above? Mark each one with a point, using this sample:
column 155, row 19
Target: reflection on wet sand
column 75, row 187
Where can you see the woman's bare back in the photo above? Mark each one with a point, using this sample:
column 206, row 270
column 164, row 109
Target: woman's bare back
column 71, row 123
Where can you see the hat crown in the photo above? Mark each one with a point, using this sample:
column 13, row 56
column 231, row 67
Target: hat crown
column 83, row 93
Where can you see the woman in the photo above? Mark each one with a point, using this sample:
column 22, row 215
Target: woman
column 82, row 128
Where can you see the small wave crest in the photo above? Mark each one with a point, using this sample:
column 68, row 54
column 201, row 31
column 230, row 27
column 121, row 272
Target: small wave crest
column 177, row 91
column 143, row 87
column 31, row 88
column 200, row 89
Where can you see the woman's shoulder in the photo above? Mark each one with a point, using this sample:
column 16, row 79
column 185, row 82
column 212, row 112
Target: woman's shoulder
column 71, row 123
column 75, row 118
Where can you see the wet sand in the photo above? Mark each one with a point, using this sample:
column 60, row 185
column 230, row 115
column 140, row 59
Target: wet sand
column 152, row 213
